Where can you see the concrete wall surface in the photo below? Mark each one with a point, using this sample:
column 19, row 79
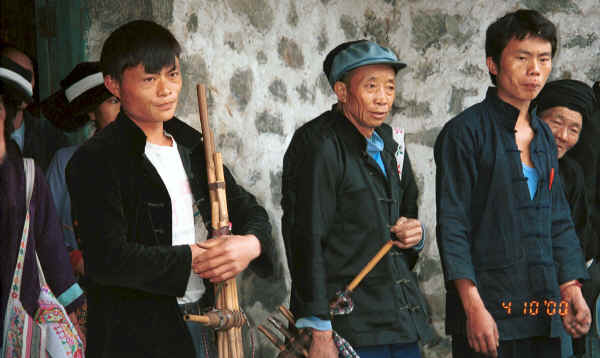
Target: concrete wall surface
column 262, row 60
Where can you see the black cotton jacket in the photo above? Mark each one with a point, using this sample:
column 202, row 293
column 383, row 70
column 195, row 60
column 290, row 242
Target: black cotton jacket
column 123, row 214
column 337, row 210
column 572, row 178
column 516, row 250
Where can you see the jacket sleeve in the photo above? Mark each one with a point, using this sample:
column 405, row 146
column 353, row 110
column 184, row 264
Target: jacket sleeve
column 456, row 174
column 309, row 203
column 248, row 217
column 50, row 246
column 580, row 213
column 566, row 250
column 110, row 256
column 410, row 209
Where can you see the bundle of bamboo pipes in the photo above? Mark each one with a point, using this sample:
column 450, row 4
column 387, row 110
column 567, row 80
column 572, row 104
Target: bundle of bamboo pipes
column 229, row 341
column 297, row 341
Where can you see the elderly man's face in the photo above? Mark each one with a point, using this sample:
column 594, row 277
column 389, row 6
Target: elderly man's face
column 368, row 98
column 565, row 125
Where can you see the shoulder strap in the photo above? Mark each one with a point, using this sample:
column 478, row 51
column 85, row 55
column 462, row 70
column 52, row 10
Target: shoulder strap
column 29, row 181
column 29, row 166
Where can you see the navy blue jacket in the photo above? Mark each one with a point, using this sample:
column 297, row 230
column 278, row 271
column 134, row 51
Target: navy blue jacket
column 516, row 250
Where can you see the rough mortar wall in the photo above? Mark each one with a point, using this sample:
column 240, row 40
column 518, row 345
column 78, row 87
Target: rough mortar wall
column 262, row 61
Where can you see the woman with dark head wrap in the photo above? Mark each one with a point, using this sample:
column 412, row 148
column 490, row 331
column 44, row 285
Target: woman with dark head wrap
column 568, row 108
column 82, row 99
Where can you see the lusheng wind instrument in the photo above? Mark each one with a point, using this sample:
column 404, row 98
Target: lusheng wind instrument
column 229, row 319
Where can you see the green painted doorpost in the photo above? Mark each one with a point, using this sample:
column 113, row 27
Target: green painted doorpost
column 61, row 27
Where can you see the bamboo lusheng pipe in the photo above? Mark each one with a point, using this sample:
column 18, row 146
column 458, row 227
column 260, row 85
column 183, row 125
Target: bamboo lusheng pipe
column 219, row 319
column 369, row 266
column 229, row 342
column 272, row 337
column 292, row 341
column 287, row 314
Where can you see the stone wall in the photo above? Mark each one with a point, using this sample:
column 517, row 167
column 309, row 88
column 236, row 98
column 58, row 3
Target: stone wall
column 262, row 61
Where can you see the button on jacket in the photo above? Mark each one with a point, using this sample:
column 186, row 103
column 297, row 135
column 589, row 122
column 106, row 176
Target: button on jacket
column 516, row 250
column 338, row 208
column 123, row 214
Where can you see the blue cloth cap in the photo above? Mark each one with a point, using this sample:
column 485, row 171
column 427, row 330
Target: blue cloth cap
column 359, row 54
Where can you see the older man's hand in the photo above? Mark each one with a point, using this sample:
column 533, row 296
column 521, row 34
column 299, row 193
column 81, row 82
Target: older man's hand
column 408, row 232
column 322, row 345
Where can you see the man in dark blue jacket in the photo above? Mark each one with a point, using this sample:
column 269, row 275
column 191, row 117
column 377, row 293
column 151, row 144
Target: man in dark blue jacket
column 509, row 251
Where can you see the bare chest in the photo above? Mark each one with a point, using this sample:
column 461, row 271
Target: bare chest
column 523, row 137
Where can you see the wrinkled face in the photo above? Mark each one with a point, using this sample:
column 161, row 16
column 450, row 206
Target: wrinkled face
column 565, row 125
column 523, row 69
column 147, row 97
column 367, row 100
column 107, row 112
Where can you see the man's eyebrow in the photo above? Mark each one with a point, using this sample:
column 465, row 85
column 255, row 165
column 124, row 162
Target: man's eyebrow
column 174, row 68
column 529, row 53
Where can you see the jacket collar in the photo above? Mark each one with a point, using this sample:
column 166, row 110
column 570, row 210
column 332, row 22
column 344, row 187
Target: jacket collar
column 135, row 138
column 505, row 113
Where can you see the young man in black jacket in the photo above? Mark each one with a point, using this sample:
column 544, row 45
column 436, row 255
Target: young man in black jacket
column 135, row 189
column 509, row 251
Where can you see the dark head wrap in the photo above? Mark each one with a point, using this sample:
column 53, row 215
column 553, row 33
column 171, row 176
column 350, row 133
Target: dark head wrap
column 82, row 91
column 15, row 80
column 575, row 95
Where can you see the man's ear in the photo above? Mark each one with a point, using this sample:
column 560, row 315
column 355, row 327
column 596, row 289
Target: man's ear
column 113, row 86
column 341, row 91
column 492, row 66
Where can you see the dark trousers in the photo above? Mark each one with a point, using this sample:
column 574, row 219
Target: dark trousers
column 535, row 347
column 410, row 350
column 202, row 336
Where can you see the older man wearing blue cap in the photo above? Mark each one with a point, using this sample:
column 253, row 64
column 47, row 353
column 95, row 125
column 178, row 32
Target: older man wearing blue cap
column 348, row 188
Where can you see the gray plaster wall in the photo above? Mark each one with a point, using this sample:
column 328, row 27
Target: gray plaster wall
column 262, row 61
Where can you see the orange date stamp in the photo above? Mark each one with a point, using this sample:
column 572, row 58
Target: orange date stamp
column 534, row 308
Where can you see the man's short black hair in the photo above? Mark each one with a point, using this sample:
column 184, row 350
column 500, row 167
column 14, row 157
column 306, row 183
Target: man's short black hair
column 138, row 42
column 518, row 25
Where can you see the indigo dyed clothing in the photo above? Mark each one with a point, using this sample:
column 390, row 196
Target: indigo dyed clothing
column 410, row 350
column 572, row 178
column 338, row 208
column 58, row 187
column 516, row 250
column 535, row 347
column 45, row 237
